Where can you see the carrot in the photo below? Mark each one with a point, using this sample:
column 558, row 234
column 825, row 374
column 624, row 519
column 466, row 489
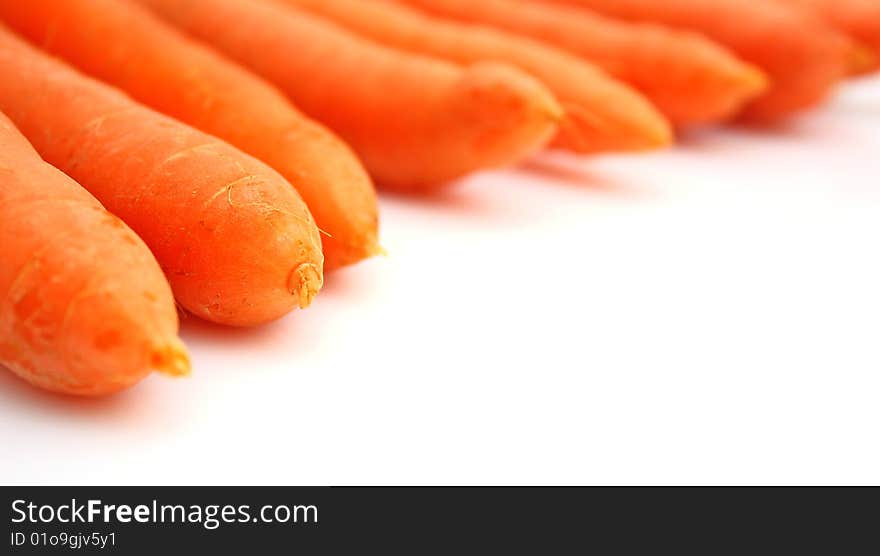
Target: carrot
column 125, row 45
column 235, row 240
column 84, row 307
column 601, row 114
column 689, row 78
column 860, row 19
column 415, row 121
column 804, row 58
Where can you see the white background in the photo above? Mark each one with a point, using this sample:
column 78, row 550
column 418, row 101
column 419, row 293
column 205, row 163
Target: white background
column 708, row 314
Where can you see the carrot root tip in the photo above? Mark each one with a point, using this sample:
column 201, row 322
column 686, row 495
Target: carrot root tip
column 755, row 82
column 862, row 60
column 171, row 360
column 372, row 248
column 554, row 112
column 658, row 137
column 305, row 282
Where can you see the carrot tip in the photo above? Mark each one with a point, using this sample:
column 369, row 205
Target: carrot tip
column 586, row 132
column 554, row 112
column 372, row 248
column 171, row 360
column 305, row 281
column 862, row 60
column 755, row 81
column 660, row 137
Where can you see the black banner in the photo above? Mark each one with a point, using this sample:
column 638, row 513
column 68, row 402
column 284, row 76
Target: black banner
column 339, row 520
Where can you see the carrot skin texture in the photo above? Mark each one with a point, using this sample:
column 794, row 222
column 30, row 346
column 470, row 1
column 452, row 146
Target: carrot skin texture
column 601, row 114
column 84, row 307
column 804, row 58
column 236, row 242
column 125, row 45
column 416, row 122
column 690, row 79
column 860, row 19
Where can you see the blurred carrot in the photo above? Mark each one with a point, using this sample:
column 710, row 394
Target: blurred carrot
column 84, row 307
column 860, row 19
column 803, row 57
column 127, row 46
column 234, row 239
column 415, row 121
column 601, row 114
column 690, row 79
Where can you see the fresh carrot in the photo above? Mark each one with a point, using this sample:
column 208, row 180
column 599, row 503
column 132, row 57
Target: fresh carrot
column 804, row 58
column 860, row 19
column 601, row 114
column 125, row 45
column 84, row 307
column 415, row 121
column 234, row 239
column 689, row 78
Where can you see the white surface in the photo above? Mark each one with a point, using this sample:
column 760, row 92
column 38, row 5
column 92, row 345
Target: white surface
column 704, row 315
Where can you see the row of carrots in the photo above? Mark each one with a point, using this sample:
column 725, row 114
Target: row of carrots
column 221, row 154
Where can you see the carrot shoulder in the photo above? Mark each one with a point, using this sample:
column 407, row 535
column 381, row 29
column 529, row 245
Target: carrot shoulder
column 804, row 58
column 601, row 114
column 84, row 307
column 415, row 121
column 689, row 78
column 123, row 44
column 234, row 239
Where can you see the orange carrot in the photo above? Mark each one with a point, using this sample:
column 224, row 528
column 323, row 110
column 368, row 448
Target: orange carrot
column 234, row 239
column 415, row 121
column 601, row 114
column 804, row 58
column 125, row 45
column 860, row 19
column 84, row 307
column 689, row 78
